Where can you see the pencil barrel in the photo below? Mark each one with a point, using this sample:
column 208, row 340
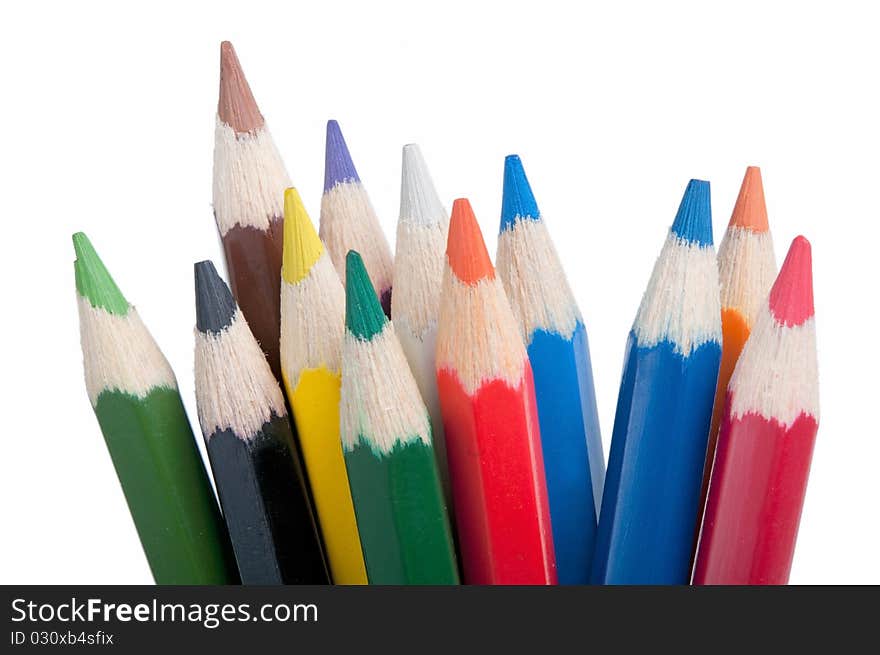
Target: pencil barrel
column 649, row 507
column 401, row 514
column 498, row 485
column 315, row 403
column 266, row 506
column 755, row 501
column 253, row 259
column 166, row 487
column 573, row 460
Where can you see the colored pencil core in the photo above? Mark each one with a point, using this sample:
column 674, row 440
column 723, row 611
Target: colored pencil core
column 338, row 166
column 518, row 200
column 302, row 246
column 236, row 106
column 693, row 222
column 465, row 249
column 215, row 308
column 93, row 280
column 791, row 298
column 364, row 316
column 750, row 210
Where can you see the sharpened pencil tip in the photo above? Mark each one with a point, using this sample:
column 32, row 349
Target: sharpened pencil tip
column 215, row 307
column 693, row 222
column 364, row 316
column 465, row 249
column 338, row 166
column 236, row 106
column 93, row 280
column 750, row 210
column 791, row 298
column 419, row 202
column 518, row 201
column 302, row 245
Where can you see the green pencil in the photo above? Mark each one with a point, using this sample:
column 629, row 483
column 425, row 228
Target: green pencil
column 386, row 442
column 134, row 394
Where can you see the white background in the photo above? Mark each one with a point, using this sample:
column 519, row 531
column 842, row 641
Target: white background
column 107, row 114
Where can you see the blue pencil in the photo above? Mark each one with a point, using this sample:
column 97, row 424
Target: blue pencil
column 554, row 333
column 649, row 506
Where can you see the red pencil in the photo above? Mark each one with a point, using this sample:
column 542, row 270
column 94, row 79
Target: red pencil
column 490, row 418
column 766, row 441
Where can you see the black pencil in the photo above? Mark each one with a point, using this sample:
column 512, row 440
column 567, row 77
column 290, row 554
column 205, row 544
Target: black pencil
column 250, row 444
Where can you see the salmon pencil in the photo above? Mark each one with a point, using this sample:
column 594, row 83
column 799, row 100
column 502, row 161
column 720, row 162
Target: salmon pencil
column 490, row 418
column 746, row 270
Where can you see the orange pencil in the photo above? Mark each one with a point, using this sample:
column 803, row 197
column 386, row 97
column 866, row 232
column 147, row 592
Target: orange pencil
column 746, row 270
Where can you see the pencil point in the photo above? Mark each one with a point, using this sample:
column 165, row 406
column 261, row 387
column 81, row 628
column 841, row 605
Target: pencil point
column 338, row 166
column 215, row 306
column 419, row 202
column 750, row 210
column 791, row 298
column 236, row 106
column 93, row 280
column 465, row 248
column 364, row 316
column 302, row 246
column 693, row 222
column 517, row 200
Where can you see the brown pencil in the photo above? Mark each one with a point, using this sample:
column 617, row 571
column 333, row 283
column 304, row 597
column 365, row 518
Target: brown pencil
column 249, row 183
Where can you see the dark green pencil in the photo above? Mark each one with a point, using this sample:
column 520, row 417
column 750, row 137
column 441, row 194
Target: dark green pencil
column 386, row 441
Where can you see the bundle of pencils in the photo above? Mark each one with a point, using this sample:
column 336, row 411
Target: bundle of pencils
column 465, row 430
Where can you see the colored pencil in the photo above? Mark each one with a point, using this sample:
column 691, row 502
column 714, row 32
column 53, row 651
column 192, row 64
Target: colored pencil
column 418, row 271
column 766, row 442
column 493, row 440
column 658, row 446
column 348, row 221
column 386, row 437
column 249, row 183
column 250, row 445
column 746, row 270
column 312, row 329
column 556, row 340
column 134, row 394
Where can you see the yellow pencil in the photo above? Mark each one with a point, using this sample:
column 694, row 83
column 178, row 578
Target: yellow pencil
column 312, row 328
